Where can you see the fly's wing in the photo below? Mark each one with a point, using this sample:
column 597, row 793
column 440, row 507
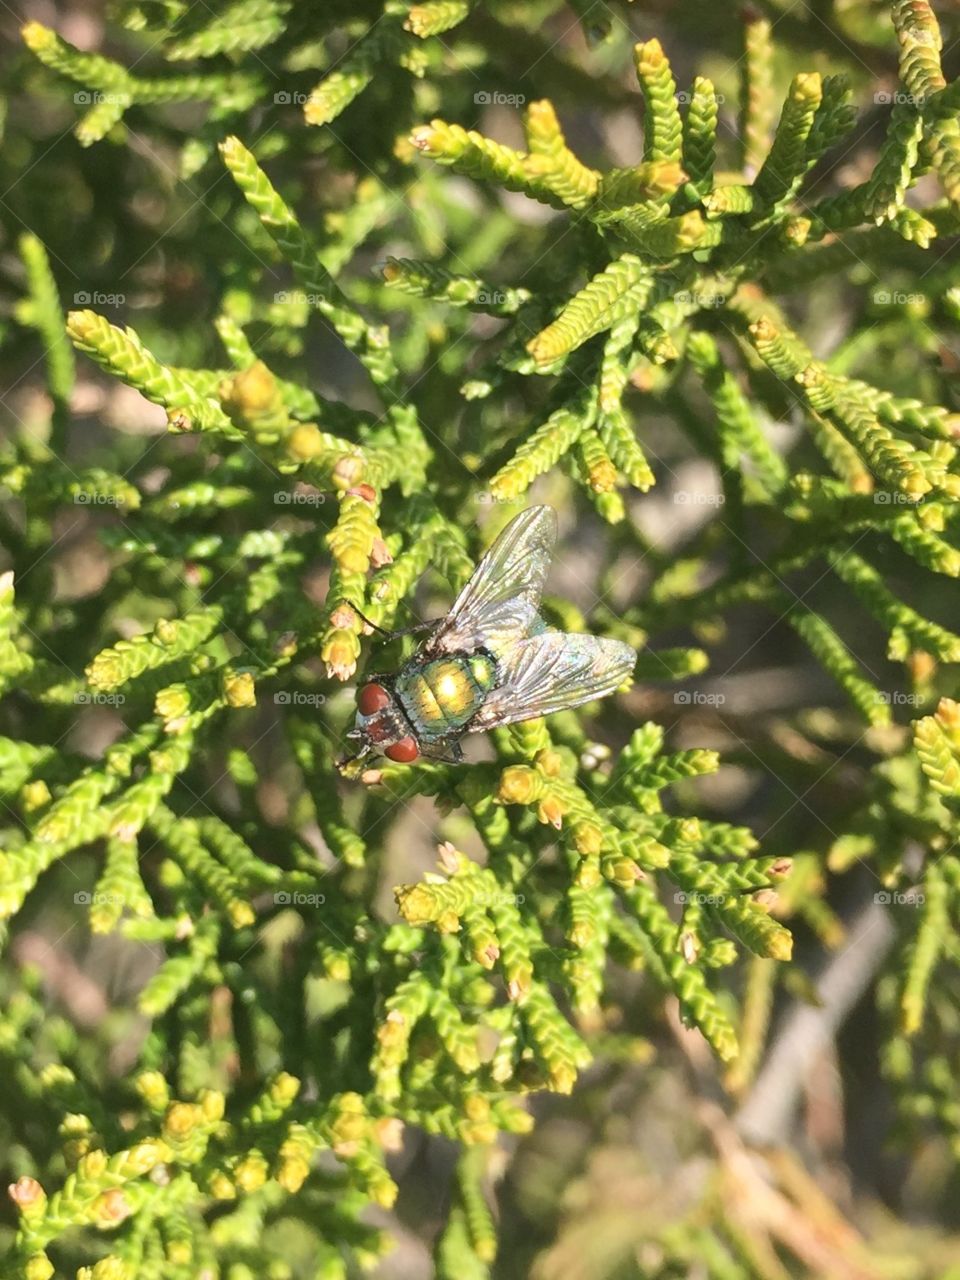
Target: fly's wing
column 552, row 671
column 499, row 604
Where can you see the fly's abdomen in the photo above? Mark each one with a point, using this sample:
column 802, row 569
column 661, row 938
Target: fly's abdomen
column 442, row 696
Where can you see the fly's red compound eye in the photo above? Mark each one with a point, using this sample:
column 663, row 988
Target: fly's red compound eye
column 403, row 752
column 373, row 698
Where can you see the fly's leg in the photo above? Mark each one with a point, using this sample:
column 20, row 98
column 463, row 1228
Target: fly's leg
column 343, row 764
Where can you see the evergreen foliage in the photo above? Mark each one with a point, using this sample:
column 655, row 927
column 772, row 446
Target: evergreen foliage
column 373, row 331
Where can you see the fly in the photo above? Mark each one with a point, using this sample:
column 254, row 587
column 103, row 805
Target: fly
column 491, row 661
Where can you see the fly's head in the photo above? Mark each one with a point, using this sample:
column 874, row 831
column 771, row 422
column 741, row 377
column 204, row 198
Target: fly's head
column 381, row 725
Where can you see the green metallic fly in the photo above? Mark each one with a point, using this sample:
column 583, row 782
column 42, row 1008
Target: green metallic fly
column 492, row 660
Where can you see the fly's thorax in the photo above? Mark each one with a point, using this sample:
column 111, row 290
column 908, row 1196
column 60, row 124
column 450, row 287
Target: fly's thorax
column 442, row 696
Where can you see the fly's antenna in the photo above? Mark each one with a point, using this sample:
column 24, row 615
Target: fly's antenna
column 392, row 635
column 373, row 625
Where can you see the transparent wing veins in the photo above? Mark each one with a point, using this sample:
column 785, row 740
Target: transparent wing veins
column 552, row 672
column 500, row 603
